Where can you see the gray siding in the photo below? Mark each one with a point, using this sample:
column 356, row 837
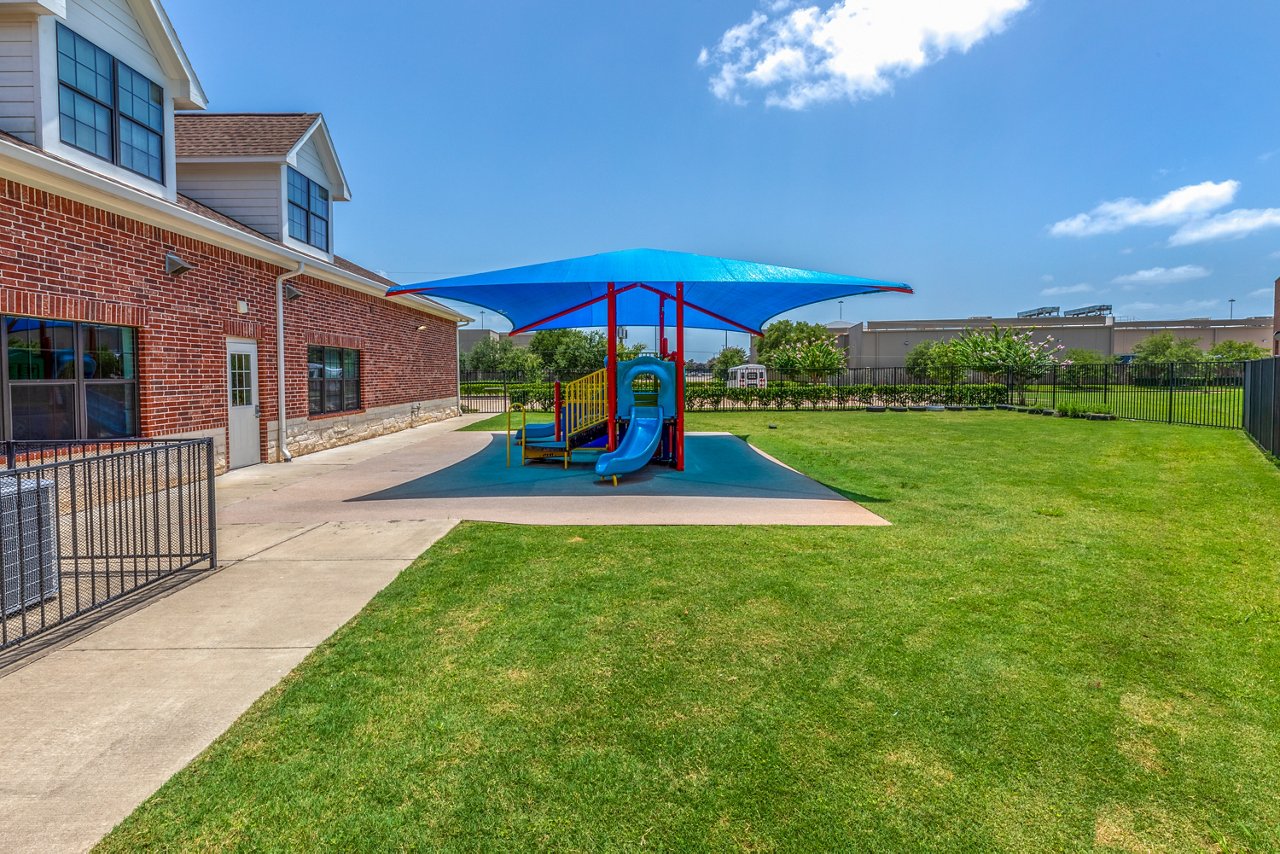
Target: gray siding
column 247, row 192
column 18, row 79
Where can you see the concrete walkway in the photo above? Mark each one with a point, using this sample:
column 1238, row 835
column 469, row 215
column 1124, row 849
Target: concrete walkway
column 97, row 725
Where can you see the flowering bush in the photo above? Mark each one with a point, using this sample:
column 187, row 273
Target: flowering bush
column 1011, row 351
column 811, row 359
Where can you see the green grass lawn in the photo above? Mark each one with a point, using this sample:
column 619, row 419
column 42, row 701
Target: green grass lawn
column 1068, row 640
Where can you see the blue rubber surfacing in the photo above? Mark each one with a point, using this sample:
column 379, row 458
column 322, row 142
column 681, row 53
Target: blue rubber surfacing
column 716, row 466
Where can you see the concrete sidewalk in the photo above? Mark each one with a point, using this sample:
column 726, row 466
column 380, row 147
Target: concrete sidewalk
column 96, row 726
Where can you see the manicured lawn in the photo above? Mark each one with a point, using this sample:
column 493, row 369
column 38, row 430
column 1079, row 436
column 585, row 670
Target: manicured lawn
column 1069, row 639
column 499, row 422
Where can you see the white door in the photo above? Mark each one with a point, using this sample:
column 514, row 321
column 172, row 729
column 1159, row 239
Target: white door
column 242, row 403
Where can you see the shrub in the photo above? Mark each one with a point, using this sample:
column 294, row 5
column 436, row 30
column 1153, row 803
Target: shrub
column 1080, row 410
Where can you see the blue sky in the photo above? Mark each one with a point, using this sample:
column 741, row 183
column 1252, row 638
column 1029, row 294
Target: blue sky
column 970, row 164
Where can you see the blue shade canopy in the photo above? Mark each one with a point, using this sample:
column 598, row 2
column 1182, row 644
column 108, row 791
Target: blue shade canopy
column 720, row 293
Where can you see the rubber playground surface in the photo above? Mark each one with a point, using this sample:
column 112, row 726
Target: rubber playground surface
column 716, row 466
column 449, row 474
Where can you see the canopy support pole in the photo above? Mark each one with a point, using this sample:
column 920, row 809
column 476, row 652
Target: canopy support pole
column 611, row 367
column 679, row 448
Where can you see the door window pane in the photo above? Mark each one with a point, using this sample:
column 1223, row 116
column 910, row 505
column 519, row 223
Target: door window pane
column 43, row 410
column 111, row 410
column 240, row 377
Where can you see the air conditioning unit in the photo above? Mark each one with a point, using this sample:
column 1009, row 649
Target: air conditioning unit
column 28, row 541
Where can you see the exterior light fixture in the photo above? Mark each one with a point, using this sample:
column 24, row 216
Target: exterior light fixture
column 175, row 266
column 291, row 293
column 422, row 328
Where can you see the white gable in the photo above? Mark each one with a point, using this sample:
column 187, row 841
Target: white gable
column 315, row 157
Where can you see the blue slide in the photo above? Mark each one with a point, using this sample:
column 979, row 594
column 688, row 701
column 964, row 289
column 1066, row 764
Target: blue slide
column 638, row 445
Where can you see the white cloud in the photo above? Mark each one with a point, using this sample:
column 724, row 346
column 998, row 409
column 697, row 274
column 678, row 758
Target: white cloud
column 1262, row 292
column 1175, row 208
column 1063, row 290
column 853, row 49
column 1226, row 226
column 1047, row 277
column 1161, row 276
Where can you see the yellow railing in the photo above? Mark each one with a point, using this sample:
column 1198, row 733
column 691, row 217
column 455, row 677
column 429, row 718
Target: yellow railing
column 586, row 403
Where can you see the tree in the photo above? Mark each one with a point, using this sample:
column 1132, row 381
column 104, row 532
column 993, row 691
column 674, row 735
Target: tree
column 783, row 334
column 813, row 359
column 502, row 356
column 571, row 353
column 1164, row 347
column 935, row 360
column 1237, row 351
column 729, row 357
column 1083, row 367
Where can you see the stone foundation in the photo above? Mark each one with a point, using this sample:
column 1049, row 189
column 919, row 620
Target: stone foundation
column 308, row 435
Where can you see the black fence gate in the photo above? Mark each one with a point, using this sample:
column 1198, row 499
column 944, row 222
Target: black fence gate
column 84, row 523
column 1262, row 403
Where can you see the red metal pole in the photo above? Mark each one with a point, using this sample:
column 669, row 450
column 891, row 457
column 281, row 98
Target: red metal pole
column 611, row 368
column 679, row 449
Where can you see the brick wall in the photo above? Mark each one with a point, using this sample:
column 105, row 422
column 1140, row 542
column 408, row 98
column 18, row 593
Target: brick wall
column 65, row 260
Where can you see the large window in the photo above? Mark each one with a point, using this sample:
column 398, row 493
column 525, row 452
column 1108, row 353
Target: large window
column 308, row 210
column 66, row 380
column 333, row 380
column 108, row 109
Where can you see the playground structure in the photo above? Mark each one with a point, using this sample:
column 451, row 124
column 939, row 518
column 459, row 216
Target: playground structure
column 632, row 413
column 644, row 412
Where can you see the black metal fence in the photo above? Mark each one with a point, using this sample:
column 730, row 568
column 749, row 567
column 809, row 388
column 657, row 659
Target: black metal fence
column 1262, row 403
column 1200, row 393
column 84, row 523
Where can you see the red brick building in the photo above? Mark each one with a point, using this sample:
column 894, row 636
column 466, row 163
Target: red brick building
column 149, row 257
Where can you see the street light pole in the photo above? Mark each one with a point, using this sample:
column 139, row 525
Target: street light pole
column 1231, row 303
column 841, row 304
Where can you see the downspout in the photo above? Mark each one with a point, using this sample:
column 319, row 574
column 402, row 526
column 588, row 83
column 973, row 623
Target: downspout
column 282, row 430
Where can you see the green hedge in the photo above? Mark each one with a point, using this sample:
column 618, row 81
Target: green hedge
column 793, row 395
column 785, row 395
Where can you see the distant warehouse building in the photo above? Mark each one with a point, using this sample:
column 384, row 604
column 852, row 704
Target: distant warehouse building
column 886, row 343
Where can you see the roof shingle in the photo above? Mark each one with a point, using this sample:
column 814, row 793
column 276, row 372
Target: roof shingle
column 239, row 134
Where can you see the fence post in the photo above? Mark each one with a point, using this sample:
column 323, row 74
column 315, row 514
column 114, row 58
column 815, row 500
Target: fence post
column 1053, row 372
column 10, row 457
column 1172, row 374
column 213, row 505
column 1106, row 379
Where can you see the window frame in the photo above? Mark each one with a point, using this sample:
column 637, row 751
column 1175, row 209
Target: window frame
column 309, row 187
column 80, row 384
column 346, row 384
column 118, row 116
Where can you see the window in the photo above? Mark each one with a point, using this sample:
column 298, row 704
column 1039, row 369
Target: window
column 333, row 380
column 108, row 109
column 308, row 210
column 66, row 380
